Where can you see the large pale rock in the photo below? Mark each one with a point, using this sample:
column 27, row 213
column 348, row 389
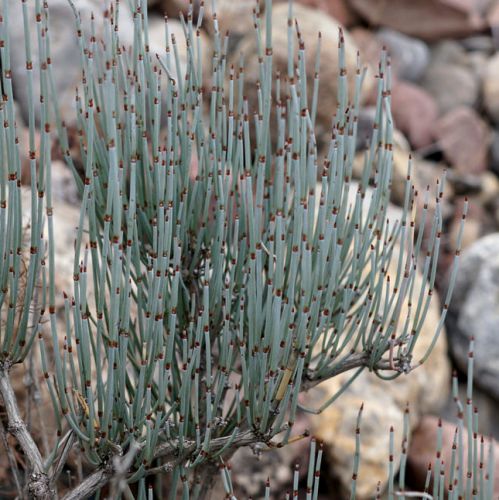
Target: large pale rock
column 158, row 45
column 426, row 19
column 400, row 164
column 311, row 22
column 369, row 45
column 236, row 17
column 464, row 139
column 64, row 50
column 474, row 312
column 424, row 389
column 491, row 88
column 476, row 219
column 66, row 217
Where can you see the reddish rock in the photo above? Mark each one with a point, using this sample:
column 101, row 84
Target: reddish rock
column 339, row 9
column 422, row 451
column 464, row 139
column 493, row 16
column 415, row 112
column 426, row 19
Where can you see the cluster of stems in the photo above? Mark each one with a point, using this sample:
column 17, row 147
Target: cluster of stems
column 222, row 263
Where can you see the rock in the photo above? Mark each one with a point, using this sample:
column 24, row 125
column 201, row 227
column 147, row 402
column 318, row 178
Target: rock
column 367, row 114
column 489, row 198
column 475, row 223
column 384, row 406
column 66, row 217
column 465, row 184
column 464, row 139
column 65, row 53
column 336, row 427
column 491, row 88
column 493, row 19
column 479, row 43
column 311, row 22
column 250, row 470
column 63, row 185
column 401, row 155
column 488, row 409
column 157, row 42
column 494, row 152
column 489, row 189
column 339, row 9
column 424, row 173
column 426, row 19
column 410, row 56
column 449, row 52
column 478, row 64
column 452, row 77
column 414, row 112
column 451, row 85
column 22, row 133
column 369, row 45
column 235, row 17
column 422, row 451
column 474, row 311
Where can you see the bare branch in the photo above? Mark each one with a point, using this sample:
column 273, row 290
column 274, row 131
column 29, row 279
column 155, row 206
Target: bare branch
column 38, row 483
column 12, row 459
column 91, row 484
column 353, row 361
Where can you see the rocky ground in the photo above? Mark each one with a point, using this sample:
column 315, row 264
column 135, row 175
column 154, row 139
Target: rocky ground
column 445, row 102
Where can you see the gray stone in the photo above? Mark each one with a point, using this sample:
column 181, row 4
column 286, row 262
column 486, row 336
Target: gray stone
column 451, row 85
column 367, row 115
column 410, row 56
column 480, row 43
column 65, row 53
column 451, row 77
column 494, row 152
column 474, row 312
column 449, row 52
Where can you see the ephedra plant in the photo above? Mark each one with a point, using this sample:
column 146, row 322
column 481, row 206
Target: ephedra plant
column 222, row 265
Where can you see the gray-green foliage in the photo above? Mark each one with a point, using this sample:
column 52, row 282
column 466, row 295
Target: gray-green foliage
column 205, row 298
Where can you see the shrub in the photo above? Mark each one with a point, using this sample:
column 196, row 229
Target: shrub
column 222, row 265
